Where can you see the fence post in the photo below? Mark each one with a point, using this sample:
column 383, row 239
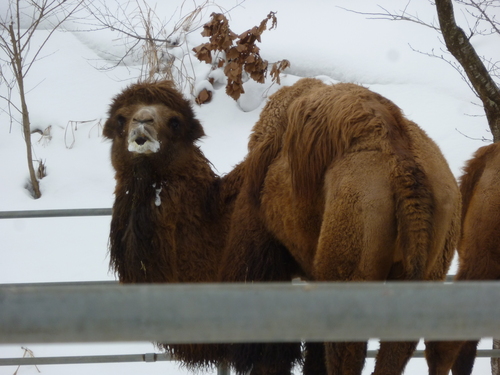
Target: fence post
column 495, row 362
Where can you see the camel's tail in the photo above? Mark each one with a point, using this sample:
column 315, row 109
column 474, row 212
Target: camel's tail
column 414, row 201
column 414, row 215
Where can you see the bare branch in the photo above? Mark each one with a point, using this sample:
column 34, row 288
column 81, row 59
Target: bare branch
column 392, row 16
column 460, row 47
column 453, row 63
column 15, row 42
column 159, row 46
column 477, row 71
column 482, row 139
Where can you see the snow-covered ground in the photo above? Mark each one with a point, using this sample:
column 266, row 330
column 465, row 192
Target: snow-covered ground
column 68, row 93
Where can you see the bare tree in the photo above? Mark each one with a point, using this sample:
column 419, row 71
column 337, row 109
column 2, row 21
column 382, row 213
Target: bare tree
column 17, row 28
column 458, row 43
column 157, row 45
column 480, row 73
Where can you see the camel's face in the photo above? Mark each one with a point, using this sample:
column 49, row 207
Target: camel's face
column 150, row 121
column 146, row 128
column 142, row 131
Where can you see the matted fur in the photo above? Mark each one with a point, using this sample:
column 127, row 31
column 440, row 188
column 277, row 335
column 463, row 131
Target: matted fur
column 354, row 192
column 171, row 212
column 478, row 247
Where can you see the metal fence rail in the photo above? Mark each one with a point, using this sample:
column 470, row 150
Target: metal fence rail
column 72, row 360
column 55, row 213
column 159, row 357
column 102, row 311
column 211, row 313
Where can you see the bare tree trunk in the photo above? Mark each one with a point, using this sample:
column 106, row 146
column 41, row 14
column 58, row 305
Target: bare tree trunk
column 17, row 67
column 460, row 47
column 27, row 138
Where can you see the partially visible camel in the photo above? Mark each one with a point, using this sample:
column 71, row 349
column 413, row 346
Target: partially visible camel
column 478, row 248
column 340, row 186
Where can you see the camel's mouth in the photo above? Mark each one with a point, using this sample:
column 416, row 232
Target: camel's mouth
column 142, row 140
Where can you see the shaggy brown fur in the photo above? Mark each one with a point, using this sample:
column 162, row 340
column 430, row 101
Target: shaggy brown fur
column 478, row 248
column 171, row 212
column 337, row 177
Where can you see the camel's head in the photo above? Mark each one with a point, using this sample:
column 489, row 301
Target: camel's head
column 150, row 118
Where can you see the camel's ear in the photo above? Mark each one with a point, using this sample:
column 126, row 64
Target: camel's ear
column 108, row 130
column 113, row 127
column 196, row 130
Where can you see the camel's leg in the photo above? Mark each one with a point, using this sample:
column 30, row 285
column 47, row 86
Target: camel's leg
column 275, row 359
column 441, row 355
column 253, row 255
column 459, row 356
column 357, row 238
column 314, row 361
column 393, row 357
column 465, row 360
column 345, row 358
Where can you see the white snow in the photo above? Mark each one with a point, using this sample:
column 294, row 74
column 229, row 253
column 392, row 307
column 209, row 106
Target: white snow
column 147, row 147
column 158, row 197
column 67, row 92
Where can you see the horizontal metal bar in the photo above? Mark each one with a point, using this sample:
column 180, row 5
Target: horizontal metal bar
column 55, row 213
column 481, row 353
column 158, row 357
column 116, row 358
column 68, row 284
column 449, row 278
column 210, row 313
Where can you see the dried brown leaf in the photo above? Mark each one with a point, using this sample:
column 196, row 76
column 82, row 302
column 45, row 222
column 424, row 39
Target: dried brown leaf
column 205, row 96
column 272, row 16
column 244, row 54
column 235, row 89
column 277, row 69
column 233, row 71
column 202, row 53
column 232, row 53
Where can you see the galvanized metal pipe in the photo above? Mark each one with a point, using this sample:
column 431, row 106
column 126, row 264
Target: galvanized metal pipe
column 159, row 357
column 55, row 213
column 210, row 313
column 72, row 360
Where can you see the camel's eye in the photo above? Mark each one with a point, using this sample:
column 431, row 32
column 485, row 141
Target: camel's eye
column 174, row 122
column 121, row 120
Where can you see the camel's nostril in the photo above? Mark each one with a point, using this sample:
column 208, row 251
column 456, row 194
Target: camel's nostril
column 140, row 140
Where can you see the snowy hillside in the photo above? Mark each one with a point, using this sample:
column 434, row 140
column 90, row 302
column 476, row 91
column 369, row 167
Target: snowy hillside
column 70, row 94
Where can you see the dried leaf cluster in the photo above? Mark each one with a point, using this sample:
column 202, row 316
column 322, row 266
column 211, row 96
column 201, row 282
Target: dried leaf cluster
column 239, row 53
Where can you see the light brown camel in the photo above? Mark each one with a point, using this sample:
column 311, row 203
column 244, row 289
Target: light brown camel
column 338, row 178
column 478, row 248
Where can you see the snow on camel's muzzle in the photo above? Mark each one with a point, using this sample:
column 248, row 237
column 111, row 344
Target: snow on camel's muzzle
column 143, row 136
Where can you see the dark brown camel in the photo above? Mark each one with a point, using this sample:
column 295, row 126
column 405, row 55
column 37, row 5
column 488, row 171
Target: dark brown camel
column 171, row 212
column 478, row 248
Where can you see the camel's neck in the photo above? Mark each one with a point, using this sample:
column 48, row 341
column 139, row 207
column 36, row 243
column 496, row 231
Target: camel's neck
column 169, row 226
